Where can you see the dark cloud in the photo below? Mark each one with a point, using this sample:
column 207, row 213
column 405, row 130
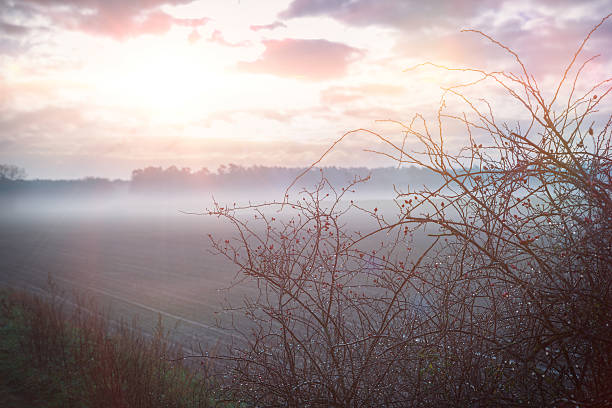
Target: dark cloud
column 13, row 29
column 302, row 8
column 272, row 26
column 10, row 10
column 115, row 18
column 404, row 14
column 305, row 59
column 415, row 14
column 14, row 35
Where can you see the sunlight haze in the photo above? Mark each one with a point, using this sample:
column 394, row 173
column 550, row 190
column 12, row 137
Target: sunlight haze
column 99, row 88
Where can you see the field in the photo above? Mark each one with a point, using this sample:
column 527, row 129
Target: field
column 138, row 258
column 136, row 264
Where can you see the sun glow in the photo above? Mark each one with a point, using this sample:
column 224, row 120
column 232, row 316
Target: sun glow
column 169, row 81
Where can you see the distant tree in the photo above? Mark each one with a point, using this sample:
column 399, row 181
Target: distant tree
column 508, row 300
column 11, row 172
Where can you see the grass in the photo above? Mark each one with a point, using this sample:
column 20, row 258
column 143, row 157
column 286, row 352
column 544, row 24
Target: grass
column 59, row 353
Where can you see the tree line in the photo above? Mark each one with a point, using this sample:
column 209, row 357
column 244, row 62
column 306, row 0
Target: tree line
column 226, row 177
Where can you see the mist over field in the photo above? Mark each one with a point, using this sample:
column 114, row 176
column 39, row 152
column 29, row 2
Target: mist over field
column 141, row 247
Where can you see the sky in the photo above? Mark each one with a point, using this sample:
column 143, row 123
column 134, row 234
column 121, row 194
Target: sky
column 102, row 87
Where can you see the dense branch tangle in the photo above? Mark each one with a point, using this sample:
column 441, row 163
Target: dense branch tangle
column 508, row 303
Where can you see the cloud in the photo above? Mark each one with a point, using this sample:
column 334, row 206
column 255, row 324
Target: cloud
column 305, row 59
column 13, row 29
column 272, row 26
column 116, row 19
column 191, row 22
column 11, row 46
column 15, row 35
column 122, row 26
column 35, row 130
column 278, row 115
column 547, row 47
column 217, row 38
column 343, row 94
column 544, row 45
column 547, row 32
column 194, row 36
column 400, row 14
column 373, row 113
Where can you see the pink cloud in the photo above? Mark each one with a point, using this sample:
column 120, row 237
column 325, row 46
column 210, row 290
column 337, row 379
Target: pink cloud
column 194, row 36
column 191, row 22
column 217, row 38
column 119, row 20
column 155, row 22
column 272, row 26
column 305, row 59
column 344, row 94
column 373, row 113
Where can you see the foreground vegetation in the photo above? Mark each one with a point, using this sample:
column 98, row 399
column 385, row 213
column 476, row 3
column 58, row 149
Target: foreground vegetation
column 59, row 353
column 509, row 304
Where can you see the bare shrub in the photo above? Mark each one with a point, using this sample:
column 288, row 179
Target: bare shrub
column 509, row 302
